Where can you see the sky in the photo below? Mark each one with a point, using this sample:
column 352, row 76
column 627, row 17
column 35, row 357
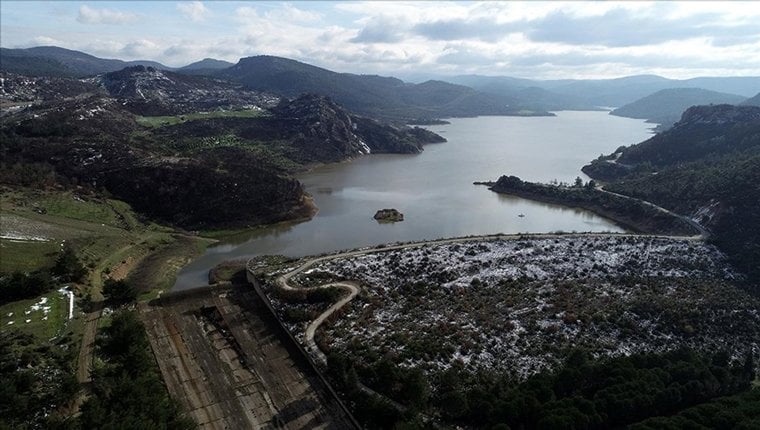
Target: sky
column 541, row 40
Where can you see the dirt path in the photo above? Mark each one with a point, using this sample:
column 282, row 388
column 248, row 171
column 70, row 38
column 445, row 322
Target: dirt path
column 703, row 232
column 86, row 352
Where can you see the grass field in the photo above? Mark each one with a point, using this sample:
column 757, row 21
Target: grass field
column 106, row 235
column 157, row 272
column 41, row 325
column 25, row 256
column 49, row 218
column 160, row 121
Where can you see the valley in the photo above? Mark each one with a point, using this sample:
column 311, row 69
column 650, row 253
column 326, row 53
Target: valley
column 212, row 226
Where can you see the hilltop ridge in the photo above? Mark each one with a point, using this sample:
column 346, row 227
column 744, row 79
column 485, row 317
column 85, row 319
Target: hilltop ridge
column 666, row 106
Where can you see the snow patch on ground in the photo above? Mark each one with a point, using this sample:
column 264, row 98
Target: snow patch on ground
column 519, row 305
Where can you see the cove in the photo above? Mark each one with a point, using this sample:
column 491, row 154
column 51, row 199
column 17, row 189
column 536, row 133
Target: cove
column 434, row 189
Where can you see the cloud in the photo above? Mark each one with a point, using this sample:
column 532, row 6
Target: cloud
column 88, row 15
column 45, row 41
column 289, row 13
column 619, row 26
column 195, row 11
column 380, row 30
column 623, row 28
column 531, row 39
column 142, row 48
column 466, row 56
column 487, row 29
column 177, row 51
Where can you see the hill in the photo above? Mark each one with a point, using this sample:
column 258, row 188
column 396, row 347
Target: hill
column 17, row 91
column 525, row 92
column 752, row 101
column 707, row 166
column 224, row 168
column 607, row 92
column 666, row 106
column 55, row 61
column 376, row 96
column 148, row 91
column 207, row 66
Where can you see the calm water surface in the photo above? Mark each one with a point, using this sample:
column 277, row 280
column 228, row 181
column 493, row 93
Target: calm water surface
column 434, row 189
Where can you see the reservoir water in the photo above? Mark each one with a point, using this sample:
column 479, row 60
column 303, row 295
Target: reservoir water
column 434, row 189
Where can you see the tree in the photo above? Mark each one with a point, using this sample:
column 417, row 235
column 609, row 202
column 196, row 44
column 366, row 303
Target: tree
column 17, row 286
column 578, row 182
column 68, row 267
column 119, row 292
column 127, row 391
column 414, row 388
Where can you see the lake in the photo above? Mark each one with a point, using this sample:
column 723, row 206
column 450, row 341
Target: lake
column 434, row 189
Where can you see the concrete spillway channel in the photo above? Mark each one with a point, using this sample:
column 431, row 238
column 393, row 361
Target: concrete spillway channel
column 224, row 358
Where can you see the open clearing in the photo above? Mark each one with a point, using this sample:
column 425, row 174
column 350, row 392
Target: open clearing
column 159, row 121
column 224, row 358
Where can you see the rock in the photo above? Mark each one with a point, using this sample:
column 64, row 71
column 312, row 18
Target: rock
column 389, row 215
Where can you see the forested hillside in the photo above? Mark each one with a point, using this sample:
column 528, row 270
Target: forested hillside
column 666, row 106
column 376, row 96
column 219, row 156
column 707, row 166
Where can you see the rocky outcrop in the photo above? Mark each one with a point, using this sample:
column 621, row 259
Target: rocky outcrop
column 19, row 88
column 319, row 128
column 388, row 215
column 149, row 91
column 323, row 131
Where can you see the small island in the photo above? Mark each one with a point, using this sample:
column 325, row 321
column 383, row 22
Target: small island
column 388, row 215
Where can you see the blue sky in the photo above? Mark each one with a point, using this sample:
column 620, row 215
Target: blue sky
column 523, row 39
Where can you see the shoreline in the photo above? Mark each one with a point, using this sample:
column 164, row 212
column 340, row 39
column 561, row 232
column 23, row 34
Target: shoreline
column 629, row 213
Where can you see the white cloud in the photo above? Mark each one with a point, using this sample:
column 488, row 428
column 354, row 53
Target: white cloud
column 143, row 49
column 289, row 13
column 528, row 39
column 89, row 15
column 45, row 41
column 196, row 11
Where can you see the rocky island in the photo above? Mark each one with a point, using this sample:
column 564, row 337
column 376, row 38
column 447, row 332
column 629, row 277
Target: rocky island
column 388, row 215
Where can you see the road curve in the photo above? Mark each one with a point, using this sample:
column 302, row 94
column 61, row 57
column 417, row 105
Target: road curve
column 703, row 232
column 312, row 328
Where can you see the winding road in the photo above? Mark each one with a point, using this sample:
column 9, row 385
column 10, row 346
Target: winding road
column 703, row 232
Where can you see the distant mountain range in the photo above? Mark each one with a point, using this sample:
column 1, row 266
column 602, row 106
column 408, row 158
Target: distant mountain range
column 753, row 101
column 608, row 92
column 394, row 99
column 666, row 106
column 54, row 61
column 207, row 66
column 377, row 96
